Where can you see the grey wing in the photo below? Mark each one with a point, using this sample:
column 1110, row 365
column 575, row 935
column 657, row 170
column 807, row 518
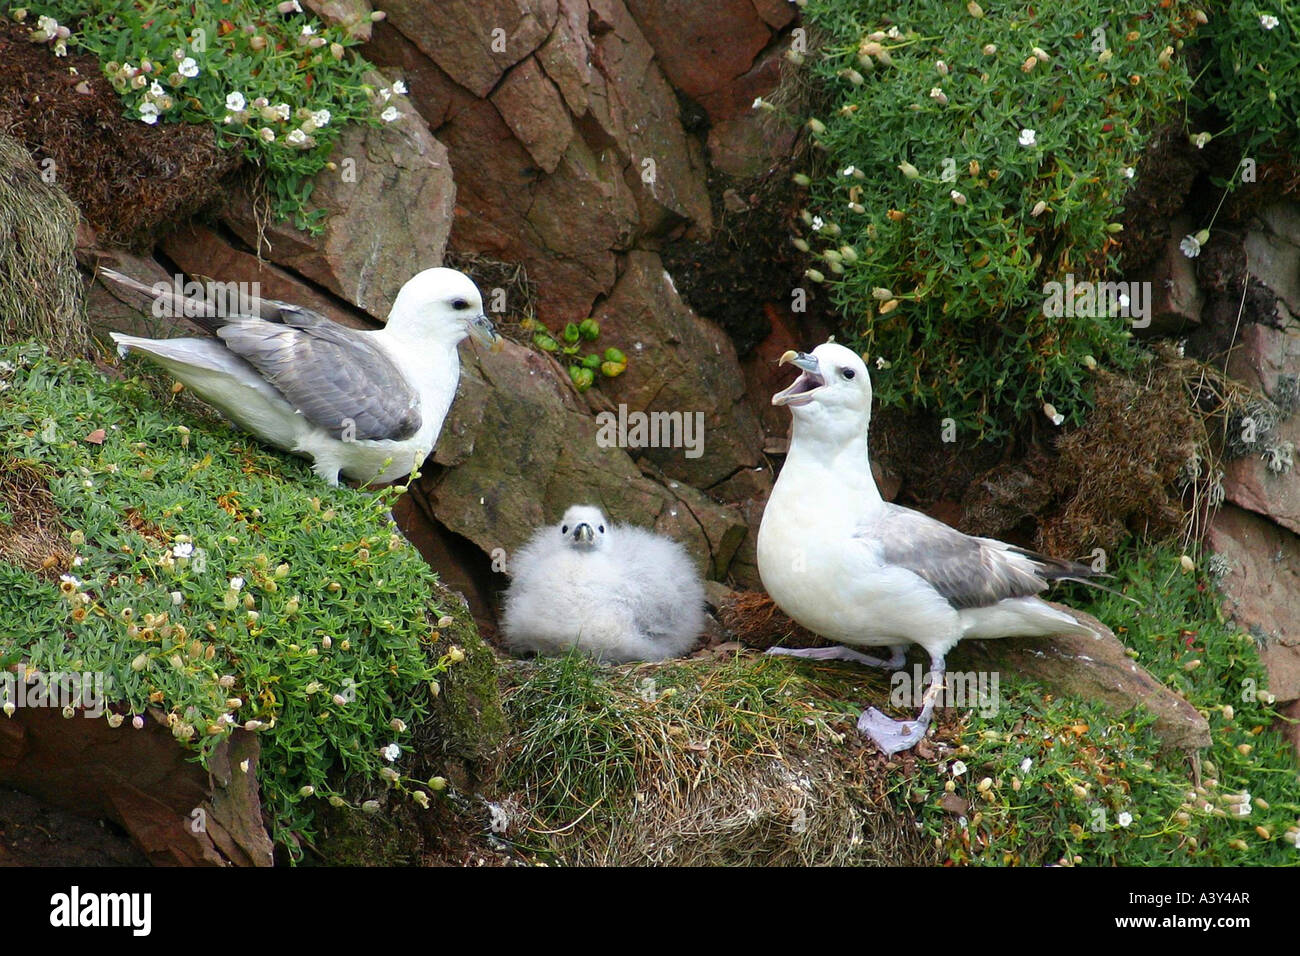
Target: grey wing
column 332, row 375
column 969, row 572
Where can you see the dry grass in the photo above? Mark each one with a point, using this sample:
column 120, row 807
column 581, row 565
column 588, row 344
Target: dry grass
column 32, row 534
column 728, row 759
column 40, row 290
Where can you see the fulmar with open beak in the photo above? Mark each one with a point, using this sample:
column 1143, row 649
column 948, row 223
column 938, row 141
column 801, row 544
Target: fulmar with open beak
column 858, row 570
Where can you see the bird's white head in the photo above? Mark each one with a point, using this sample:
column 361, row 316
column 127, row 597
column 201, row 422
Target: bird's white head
column 444, row 305
column 831, row 398
column 584, row 528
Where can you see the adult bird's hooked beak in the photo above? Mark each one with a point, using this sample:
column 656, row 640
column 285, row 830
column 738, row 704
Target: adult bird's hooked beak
column 485, row 333
column 810, row 379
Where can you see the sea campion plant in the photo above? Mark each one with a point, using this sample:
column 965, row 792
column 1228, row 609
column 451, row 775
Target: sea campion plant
column 970, row 157
column 274, row 82
column 217, row 585
column 1251, row 75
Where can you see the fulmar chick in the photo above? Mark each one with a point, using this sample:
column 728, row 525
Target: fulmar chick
column 616, row 592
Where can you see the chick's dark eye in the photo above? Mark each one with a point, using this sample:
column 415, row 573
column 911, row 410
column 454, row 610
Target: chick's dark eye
column 602, row 529
column 459, row 304
column 848, row 373
column 564, row 530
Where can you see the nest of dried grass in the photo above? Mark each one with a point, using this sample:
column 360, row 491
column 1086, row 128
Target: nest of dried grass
column 40, row 290
column 753, row 619
column 722, row 760
column 32, row 533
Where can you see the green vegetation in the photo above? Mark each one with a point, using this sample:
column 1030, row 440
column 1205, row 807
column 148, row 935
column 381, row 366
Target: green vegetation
column 222, row 584
column 1053, row 778
column 1251, row 75
column 970, row 161
column 275, row 83
column 569, row 343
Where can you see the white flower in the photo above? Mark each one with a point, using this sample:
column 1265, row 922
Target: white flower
column 1026, row 764
column 267, row 134
column 137, row 722
column 289, row 6
column 281, row 111
column 296, row 138
column 321, row 118
column 189, row 67
column 957, row 197
column 1129, row 171
column 818, row 223
column 148, row 113
column 1268, row 21
column 939, row 96
column 389, row 114
column 399, row 87
column 1028, row 137
column 69, row 579
column 1200, row 139
column 882, row 362
column 1190, row 246
column 235, row 102
column 236, row 584
column 177, row 598
column 848, row 171
column 392, row 752
column 1124, row 819
column 307, row 29
column 183, row 550
column 757, row 104
column 156, row 89
column 957, row 769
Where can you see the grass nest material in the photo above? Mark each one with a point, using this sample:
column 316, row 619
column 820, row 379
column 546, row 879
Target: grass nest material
column 32, row 533
column 719, row 760
column 40, row 291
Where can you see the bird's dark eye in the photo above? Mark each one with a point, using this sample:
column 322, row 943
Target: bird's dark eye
column 564, row 530
column 848, row 373
column 602, row 529
column 459, row 304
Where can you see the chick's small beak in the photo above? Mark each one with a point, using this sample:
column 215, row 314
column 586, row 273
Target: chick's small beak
column 483, row 332
column 584, row 534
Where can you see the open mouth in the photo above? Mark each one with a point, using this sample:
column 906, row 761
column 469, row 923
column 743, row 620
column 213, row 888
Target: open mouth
column 802, row 388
